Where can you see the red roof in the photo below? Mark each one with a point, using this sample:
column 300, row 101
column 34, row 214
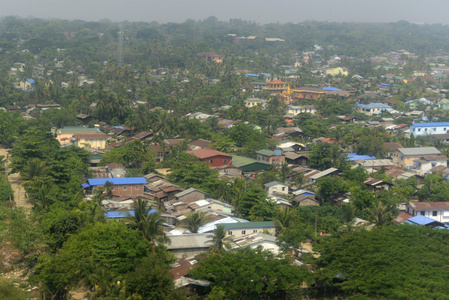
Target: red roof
column 207, row 153
column 420, row 206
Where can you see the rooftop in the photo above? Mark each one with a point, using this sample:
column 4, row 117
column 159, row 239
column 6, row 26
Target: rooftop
column 207, row 153
column 431, row 124
column 247, row 225
column 117, row 181
column 419, row 151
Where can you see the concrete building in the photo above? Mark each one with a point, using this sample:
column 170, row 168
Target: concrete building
column 433, row 128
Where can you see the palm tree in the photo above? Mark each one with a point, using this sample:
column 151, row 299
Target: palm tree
column 35, row 168
column 381, row 214
column 285, row 172
column 285, row 218
column 219, row 239
column 194, row 220
column 108, row 186
column 42, row 199
column 148, row 223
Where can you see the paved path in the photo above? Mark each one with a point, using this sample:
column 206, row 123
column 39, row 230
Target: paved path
column 19, row 192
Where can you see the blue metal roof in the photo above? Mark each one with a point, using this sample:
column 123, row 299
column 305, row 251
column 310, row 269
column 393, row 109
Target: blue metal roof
column 374, row 105
column 251, row 75
column 421, row 220
column 330, row 88
column 430, row 124
column 117, row 181
column 355, row 156
column 123, row 214
column 384, row 84
column 31, row 81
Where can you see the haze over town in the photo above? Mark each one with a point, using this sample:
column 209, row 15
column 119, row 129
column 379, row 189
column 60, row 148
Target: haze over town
column 264, row 11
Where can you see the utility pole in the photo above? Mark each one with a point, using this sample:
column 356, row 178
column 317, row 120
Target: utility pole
column 316, row 222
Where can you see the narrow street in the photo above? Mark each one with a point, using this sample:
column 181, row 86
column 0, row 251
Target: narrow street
column 19, row 192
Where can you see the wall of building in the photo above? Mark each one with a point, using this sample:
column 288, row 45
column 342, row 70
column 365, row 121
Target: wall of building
column 218, row 161
column 236, row 233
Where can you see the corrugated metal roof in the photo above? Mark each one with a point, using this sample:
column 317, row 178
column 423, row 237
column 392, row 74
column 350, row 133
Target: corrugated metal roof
column 117, row 181
column 263, row 224
column 419, row 151
column 431, row 124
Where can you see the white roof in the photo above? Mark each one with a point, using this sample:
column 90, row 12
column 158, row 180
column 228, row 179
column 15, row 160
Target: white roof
column 212, row 225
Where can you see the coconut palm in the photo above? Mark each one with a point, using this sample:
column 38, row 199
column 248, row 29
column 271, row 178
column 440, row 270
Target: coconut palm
column 194, row 220
column 381, row 214
column 285, row 218
column 219, row 239
column 148, row 223
column 35, row 168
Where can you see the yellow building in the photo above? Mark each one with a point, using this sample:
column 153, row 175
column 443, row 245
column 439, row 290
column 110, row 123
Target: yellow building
column 254, row 102
column 337, row 71
column 92, row 140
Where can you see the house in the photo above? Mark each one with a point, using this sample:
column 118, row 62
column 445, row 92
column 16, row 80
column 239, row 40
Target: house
column 199, row 144
column 255, row 102
column 130, row 186
column 187, row 245
column 96, row 140
column 308, row 93
column 391, row 147
column 426, row 163
column 424, row 221
column 248, row 164
column 276, row 187
column 377, row 185
column 438, row 211
column 294, row 110
column 142, row 136
column 315, row 175
column 271, row 157
column 432, row 128
column 443, row 103
column 27, row 84
column 254, row 240
column 190, row 195
column 373, row 108
column 296, row 158
column 241, row 229
column 407, row 156
column 64, row 135
column 213, row 157
column 116, row 170
column 305, row 200
column 336, row 71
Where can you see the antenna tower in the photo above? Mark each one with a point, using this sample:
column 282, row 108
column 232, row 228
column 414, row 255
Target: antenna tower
column 120, row 45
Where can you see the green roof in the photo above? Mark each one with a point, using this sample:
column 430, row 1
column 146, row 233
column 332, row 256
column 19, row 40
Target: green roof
column 76, row 129
column 247, row 164
column 273, row 183
column 265, row 152
column 247, row 225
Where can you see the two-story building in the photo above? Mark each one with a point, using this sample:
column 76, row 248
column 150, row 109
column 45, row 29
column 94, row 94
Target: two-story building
column 406, row 156
column 95, row 140
column 271, row 157
column 129, row 186
column 276, row 187
column 438, row 211
column 241, row 229
column 213, row 157
column 373, row 108
column 432, row 128
column 294, row 110
column 275, row 86
column 255, row 102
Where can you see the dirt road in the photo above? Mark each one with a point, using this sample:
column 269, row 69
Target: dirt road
column 19, row 192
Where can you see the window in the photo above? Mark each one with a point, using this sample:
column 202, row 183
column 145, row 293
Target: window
column 243, row 231
column 422, row 213
column 255, row 231
column 434, row 213
column 124, row 188
column 229, row 232
column 137, row 187
column 224, row 161
column 444, row 129
column 283, row 189
column 419, row 129
column 425, row 129
column 434, row 129
column 210, row 161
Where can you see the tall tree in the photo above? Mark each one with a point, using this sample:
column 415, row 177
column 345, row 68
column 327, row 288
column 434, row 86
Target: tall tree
column 194, row 220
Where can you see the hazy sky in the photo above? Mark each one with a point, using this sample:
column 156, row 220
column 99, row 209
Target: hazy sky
column 261, row 11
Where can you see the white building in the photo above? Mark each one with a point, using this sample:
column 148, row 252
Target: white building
column 419, row 129
column 438, row 211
